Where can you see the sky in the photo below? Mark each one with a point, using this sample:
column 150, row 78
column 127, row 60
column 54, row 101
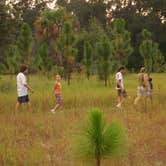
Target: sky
column 52, row 4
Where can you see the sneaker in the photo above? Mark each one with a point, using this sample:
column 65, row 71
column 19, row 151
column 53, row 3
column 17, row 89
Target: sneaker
column 53, row 111
column 119, row 106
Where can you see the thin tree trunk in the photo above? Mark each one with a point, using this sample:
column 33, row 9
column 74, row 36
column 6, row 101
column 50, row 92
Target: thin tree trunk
column 68, row 78
column 105, row 79
column 98, row 161
column 68, row 73
column 88, row 75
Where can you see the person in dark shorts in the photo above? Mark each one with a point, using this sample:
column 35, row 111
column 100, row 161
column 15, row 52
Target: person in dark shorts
column 57, row 90
column 22, row 88
column 150, row 88
column 120, row 86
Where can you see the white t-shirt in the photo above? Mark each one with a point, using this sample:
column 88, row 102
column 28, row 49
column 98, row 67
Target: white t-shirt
column 21, row 81
column 118, row 77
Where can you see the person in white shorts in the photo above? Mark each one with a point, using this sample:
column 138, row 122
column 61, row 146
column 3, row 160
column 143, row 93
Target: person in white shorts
column 22, row 88
column 120, row 86
column 142, row 89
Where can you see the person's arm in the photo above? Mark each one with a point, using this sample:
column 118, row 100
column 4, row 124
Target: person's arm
column 119, row 85
column 146, row 78
column 28, row 87
column 54, row 87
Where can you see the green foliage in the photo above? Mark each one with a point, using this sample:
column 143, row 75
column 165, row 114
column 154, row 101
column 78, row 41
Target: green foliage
column 104, row 50
column 94, row 32
column 7, row 25
column 88, row 19
column 99, row 140
column 25, row 43
column 2, row 67
column 13, row 59
column 142, row 14
column 146, row 51
column 146, row 35
column 88, row 57
column 66, row 46
column 52, row 22
column 121, row 42
column 85, row 10
column 43, row 61
column 149, row 50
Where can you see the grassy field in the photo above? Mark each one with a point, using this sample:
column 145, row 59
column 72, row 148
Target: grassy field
column 40, row 138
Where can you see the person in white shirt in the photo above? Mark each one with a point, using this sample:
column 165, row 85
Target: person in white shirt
column 120, row 86
column 22, row 88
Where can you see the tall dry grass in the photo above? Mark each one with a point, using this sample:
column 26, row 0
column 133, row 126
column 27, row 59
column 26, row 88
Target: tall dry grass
column 42, row 138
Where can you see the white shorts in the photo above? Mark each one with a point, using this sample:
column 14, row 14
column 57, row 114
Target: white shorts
column 141, row 91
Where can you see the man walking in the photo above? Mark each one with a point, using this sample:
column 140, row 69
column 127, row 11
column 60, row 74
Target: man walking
column 120, row 86
column 22, row 88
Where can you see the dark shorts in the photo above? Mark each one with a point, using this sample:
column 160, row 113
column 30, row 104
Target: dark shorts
column 122, row 94
column 58, row 98
column 23, row 99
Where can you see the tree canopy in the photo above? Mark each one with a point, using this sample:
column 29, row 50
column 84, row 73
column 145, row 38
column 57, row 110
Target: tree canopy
column 121, row 21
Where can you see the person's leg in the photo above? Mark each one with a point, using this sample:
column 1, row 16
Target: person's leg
column 137, row 100
column 123, row 96
column 59, row 103
column 119, row 99
column 29, row 107
column 122, row 100
column 18, row 104
column 57, row 106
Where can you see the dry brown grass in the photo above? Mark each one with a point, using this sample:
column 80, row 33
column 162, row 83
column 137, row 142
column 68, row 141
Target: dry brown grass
column 44, row 139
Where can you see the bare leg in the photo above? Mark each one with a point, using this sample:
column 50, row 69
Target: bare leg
column 120, row 101
column 17, row 106
column 29, row 107
column 137, row 100
column 57, row 106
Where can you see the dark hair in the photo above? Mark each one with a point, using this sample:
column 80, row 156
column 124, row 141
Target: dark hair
column 121, row 68
column 23, row 68
column 142, row 70
column 150, row 79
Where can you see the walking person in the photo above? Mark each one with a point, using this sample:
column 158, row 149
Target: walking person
column 143, row 85
column 120, row 86
column 150, row 88
column 57, row 90
column 22, row 88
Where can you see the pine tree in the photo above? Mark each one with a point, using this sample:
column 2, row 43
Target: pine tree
column 66, row 46
column 88, row 58
column 13, row 59
column 121, row 42
column 99, row 140
column 43, row 60
column 25, row 43
column 149, row 50
column 104, row 51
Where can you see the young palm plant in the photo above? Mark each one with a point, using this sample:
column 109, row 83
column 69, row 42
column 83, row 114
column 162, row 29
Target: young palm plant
column 99, row 140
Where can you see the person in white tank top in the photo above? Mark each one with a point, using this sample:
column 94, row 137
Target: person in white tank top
column 120, row 86
column 22, row 88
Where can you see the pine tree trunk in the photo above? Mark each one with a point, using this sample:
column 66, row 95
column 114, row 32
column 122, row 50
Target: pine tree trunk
column 26, row 60
column 68, row 79
column 105, row 80
column 98, row 161
column 88, row 75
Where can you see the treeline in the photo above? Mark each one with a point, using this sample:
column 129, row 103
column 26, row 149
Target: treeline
column 96, row 35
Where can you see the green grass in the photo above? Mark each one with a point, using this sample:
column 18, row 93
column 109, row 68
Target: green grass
column 42, row 138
